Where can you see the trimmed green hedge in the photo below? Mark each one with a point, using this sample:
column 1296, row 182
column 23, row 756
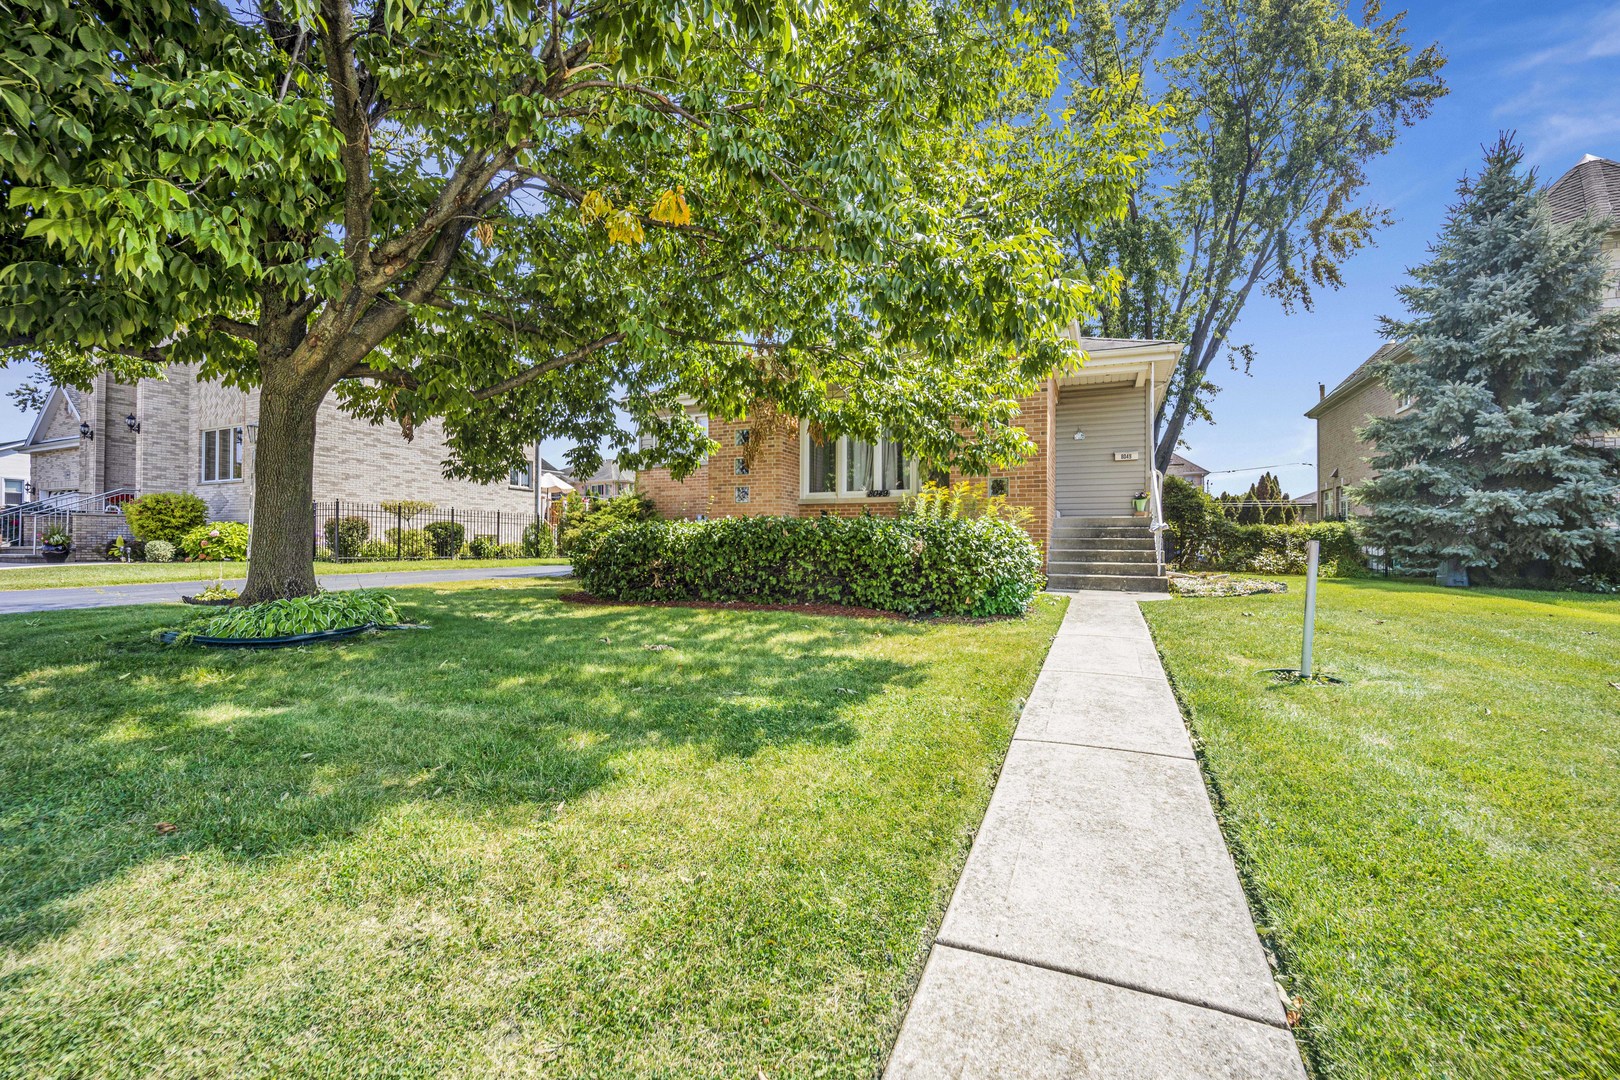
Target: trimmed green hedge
column 914, row 566
column 1205, row 539
column 165, row 515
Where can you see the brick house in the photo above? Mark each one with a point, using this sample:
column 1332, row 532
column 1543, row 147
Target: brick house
column 1093, row 430
column 182, row 434
column 1591, row 187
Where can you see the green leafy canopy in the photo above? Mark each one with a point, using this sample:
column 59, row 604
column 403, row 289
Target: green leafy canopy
column 532, row 220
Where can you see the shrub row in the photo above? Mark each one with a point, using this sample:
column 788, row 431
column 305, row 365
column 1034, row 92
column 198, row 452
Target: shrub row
column 350, row 538
column 911, row 565
column 1204, row 538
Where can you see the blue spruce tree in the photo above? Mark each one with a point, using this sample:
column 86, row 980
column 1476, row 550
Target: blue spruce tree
column 1502, row 463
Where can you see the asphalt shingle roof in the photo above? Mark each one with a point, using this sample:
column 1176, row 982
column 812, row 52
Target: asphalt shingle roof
column 1591, row 187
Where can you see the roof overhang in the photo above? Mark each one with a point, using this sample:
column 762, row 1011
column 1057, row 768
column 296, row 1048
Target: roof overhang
column 1116, row 360
column 66, row 442
column 1358, row 378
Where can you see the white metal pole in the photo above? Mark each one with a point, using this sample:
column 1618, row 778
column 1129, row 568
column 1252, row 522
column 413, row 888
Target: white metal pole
column 1312, row 549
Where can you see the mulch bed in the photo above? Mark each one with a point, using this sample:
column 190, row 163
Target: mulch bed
column 737, row 605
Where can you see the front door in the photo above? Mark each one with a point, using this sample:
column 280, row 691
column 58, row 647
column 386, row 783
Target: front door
column 1092, row 480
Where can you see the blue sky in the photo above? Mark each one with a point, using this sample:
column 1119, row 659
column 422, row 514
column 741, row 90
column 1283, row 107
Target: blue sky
column 1551, row 74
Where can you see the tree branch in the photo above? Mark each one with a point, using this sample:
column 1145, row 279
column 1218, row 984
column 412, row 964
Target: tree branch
column 533, row 373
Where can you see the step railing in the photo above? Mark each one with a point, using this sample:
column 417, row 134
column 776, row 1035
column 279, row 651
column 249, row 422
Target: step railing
column 26, row 526
column 1158, row 524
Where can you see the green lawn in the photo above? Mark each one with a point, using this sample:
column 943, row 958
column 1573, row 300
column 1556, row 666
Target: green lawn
column 70, row 575
column 530, row 841
column 1433, row 847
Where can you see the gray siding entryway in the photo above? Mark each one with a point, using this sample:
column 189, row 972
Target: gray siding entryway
column 1090, row 483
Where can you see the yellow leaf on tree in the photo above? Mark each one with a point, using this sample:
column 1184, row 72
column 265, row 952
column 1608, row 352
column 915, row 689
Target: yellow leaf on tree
column 671, row 208
column 624, row 227
column 594, row 205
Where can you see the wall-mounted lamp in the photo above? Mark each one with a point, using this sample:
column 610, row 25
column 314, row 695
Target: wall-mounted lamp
column 86, row 431
column 133, row 424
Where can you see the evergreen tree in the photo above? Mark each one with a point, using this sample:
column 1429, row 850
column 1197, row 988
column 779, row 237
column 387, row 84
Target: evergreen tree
column 1500, row 462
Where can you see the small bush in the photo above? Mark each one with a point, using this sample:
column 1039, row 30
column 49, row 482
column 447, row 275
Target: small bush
column 509, row 551
column 446, row 538
column 159, row 551
column 581, row 527
column 300, row 615
column 913, row 565
column 484, row 547
column 344, row 536
column 376, row 550
column 406, row 544
column 165, row 515
column 217, row 541
column 538, row 541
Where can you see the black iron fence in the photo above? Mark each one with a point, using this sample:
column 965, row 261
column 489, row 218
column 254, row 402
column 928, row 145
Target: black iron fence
column 352, row 532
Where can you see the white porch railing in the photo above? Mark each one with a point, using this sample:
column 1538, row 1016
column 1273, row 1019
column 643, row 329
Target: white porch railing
column 1158, row 524
column 25, row 527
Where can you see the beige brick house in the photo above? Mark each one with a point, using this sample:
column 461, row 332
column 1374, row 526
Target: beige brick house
column 1591, row 187
column 182, row 434
column 1093, row 430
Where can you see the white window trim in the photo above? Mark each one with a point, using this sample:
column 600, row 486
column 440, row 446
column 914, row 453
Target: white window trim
column 841, row 474
column 513, row 485
column 237, row 433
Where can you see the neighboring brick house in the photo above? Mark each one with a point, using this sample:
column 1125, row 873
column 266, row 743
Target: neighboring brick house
column 1189, row 471
column 182, row 434
column 1591, row 187
column 1093, row 430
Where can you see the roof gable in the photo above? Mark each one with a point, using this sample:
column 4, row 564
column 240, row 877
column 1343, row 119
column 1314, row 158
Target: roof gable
column 1591, row 187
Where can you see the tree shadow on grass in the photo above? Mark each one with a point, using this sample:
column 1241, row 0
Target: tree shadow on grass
column 506, row 703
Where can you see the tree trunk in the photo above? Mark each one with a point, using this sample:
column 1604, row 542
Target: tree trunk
column 282, row 560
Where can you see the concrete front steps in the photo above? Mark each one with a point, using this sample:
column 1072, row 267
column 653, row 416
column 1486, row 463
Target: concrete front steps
column 1103, row 553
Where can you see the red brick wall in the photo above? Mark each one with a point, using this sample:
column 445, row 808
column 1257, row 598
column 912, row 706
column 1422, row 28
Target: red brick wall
column 773, row 476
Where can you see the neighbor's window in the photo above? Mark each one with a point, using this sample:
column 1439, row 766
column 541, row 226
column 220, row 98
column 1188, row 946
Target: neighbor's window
column 14, row 493
column 520, row 478
column 221, row 455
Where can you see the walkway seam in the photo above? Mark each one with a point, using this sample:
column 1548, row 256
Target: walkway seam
column 1123, row 984
column 1100, row 746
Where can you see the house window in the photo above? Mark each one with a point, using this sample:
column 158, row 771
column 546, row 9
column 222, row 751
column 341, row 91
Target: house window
column 742, row 494
column 879, row 466
column 821, row 465
column 520, row 478
column 850, row 467
column 741, row 466
column 997, row 485
column 221, row 455
column 742, row 436
column 14, row 493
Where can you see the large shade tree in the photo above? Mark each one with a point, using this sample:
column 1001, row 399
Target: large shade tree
column 1280, row 107
column 533, row 220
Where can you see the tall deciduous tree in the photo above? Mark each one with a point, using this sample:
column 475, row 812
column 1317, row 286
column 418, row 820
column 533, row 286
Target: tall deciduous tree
column 1503, row 459
column 528, row 219
column 1280, row 105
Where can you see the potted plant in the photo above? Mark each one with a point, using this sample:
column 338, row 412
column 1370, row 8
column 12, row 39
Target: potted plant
column 56, row 545
column 1139, row 502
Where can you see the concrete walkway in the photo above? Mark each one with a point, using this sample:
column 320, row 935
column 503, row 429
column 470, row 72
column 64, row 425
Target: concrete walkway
column 15, row 601
column 1099, row 929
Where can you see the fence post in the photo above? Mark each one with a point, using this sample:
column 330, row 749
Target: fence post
column 498, row 538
